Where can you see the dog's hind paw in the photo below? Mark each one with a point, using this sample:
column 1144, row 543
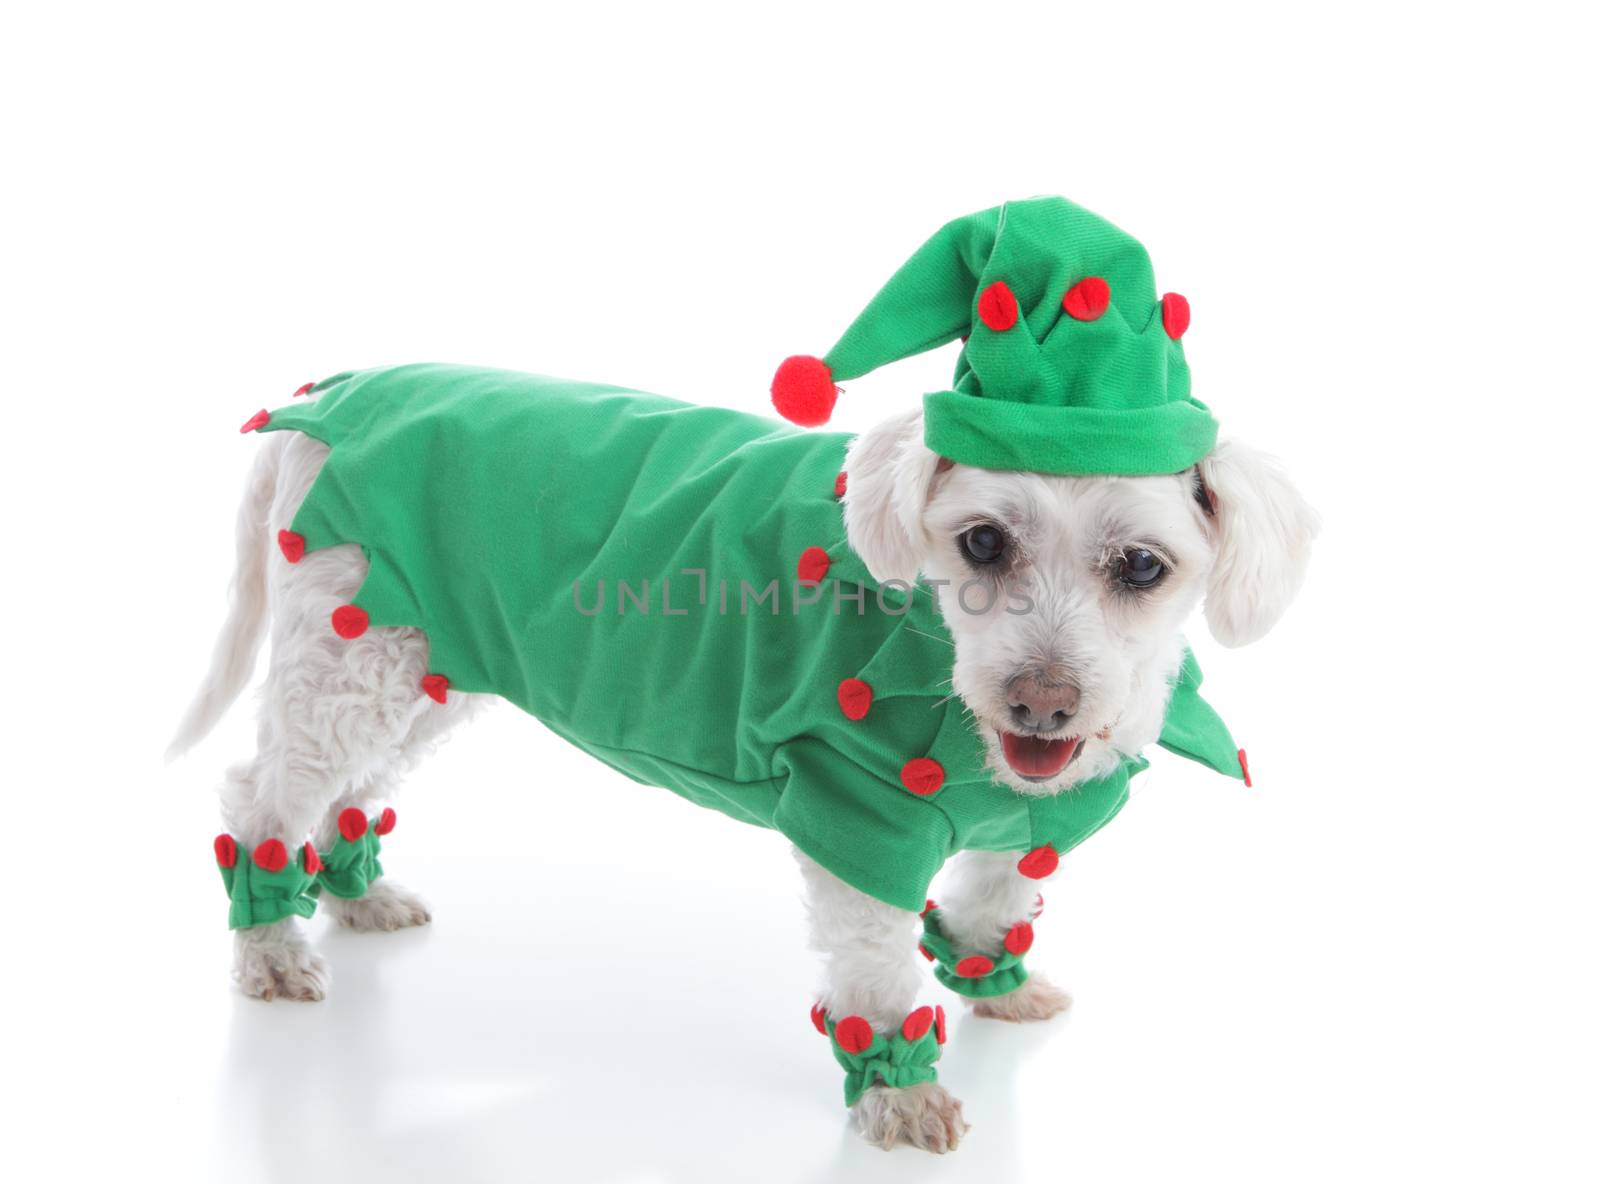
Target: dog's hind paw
column 924, row 1116
column 1036, row 999
column 385, row 908
column 273, row 962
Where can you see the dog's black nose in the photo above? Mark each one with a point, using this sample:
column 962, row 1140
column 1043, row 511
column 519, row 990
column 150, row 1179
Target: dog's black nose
column 1041, row 707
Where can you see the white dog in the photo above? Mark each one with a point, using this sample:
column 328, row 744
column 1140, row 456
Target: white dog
column 342, row 719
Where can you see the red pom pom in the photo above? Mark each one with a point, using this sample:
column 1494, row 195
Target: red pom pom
column 853, row 1033
column 974, row 967
column 352, row 824
column 259, row 420
column 997, row 307
column 349, row 621
column 227, row 850
column 927, row 908
column 917, row 1023
column 925, row 951
column 1019, row 939
column 855, row 698
column 1244, row 767
column 313, row 861
column 819, row 1018
column 292, row 545
column 1174, row 315
column 938, row 1023
column 271, row 856
column 813, row 565
column 386, row 821
column 436, row 687
column 803, row 391
column 305, row 390
column 1039, row 863
column 1087, row 299
column 922, row 775
column 840, row 484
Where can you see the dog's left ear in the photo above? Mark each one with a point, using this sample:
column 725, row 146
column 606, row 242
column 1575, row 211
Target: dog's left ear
column 890, row 474
column 1262, row 530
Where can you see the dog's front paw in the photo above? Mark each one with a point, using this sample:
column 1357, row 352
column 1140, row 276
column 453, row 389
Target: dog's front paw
column 274, row 962
column 385, row 907
column 923, row 1115
column 1036, row 999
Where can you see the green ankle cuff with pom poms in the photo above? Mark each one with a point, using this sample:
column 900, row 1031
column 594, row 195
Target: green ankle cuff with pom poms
column 352, row 863
column 898, row 1059
column 271, row 885
column 976, row 976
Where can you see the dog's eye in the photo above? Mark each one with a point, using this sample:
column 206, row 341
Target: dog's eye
column 1140, row 569
column 984, row 544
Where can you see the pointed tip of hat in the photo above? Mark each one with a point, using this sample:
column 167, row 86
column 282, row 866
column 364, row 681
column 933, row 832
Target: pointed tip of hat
column 803, row 391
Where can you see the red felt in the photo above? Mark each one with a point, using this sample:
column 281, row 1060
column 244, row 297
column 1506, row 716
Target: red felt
column 1174, row 315
column 813, row 565
column 925, row 951
column 917, row 1023
column 292, row 545
column 853, row 1033
column 386, row 820
column 855, row 698
column 1019, row 938
column 819, row 1018
column 1244, row 767
column 997, row 307
column 259, row 420
column 1087, row 299
column 271, row 855
column 436, row 687
column 927, row 908
column 227, row 850
column 840, row 484
column 1039, row 863
column 349, row 621
column 313, row 861
column 305, row 390
column 352, row 824
column 938, row 1022
column 922, row 775
column 803, row 391
column 974, row 967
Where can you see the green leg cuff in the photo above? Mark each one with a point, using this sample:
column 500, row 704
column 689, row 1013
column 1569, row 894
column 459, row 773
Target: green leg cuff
column 976, row 976
column 269, row 884
column 897, row 1059
column 352, row 864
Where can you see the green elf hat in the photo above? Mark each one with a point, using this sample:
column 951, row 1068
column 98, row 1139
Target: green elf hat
column 1071, row 364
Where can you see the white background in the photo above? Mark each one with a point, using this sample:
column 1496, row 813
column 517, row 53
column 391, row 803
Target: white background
column 1380, row 963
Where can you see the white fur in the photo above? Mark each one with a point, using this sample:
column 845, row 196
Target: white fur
column 340, row 720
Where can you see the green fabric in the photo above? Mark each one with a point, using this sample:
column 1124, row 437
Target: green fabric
column 259, row 897
column 1051, row 394
column 350, row 868
column 1007, row 975
column 892, row 1059
column 491, row 505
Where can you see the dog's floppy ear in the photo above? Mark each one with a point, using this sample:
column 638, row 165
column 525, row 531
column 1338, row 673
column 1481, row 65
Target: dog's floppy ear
column 890, row 476
column 1262, row 529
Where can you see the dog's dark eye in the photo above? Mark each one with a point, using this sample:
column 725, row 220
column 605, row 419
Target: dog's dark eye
column 984, row 544
column 1140, row 569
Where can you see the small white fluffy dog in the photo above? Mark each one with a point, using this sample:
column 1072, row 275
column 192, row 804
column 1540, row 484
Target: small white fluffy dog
column 341, row 719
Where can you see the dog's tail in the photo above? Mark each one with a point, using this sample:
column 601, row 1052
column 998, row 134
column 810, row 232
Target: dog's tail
column 234, row 657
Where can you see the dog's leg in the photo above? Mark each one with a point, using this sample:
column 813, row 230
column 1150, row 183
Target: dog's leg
column 982, row 898
column 872, row 970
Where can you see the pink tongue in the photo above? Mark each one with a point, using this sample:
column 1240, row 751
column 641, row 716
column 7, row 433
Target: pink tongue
column 1033, row 757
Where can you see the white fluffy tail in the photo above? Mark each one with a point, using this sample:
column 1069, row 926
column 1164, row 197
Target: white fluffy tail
column 234, row 657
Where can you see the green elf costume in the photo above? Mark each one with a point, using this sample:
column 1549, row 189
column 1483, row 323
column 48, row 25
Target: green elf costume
column 669, row 587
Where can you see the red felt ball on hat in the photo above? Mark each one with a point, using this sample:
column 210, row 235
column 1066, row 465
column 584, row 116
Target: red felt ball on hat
column 813, row 565
column 925, row 951
column 1019, row 938
column 938, row 1022
column 226, row 849
column 917, row 1023
column 922, row 775
column 803, row 391
column 271, row 856
column 292, row 545
column 819, row 1018
column 259, row 420
column 1087, row 299
column 974, row 967
column 855, row 698
column 1174, row 315
column 386, row 820
column 313, row 861
column 304, row 390
column 352, row 824
column 853, row 1033
column 436, row 687
column 349, row 621
column 1039, row 863
column 997, row 307
column 840, row 484
column 1244, row 767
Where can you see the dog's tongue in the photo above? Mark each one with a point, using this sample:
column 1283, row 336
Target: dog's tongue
column 1033, row 757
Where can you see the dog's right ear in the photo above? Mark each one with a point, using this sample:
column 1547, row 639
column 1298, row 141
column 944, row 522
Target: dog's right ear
column 890, row 477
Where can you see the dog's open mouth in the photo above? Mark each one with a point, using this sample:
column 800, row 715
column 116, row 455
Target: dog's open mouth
column 1039, row 759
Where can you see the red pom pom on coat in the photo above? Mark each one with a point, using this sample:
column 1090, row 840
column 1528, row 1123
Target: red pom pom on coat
column 1088, row 299
column 922, row 776
column 803, row 391
column 997, row 306
column 1174, row 315
column 1039, row 863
